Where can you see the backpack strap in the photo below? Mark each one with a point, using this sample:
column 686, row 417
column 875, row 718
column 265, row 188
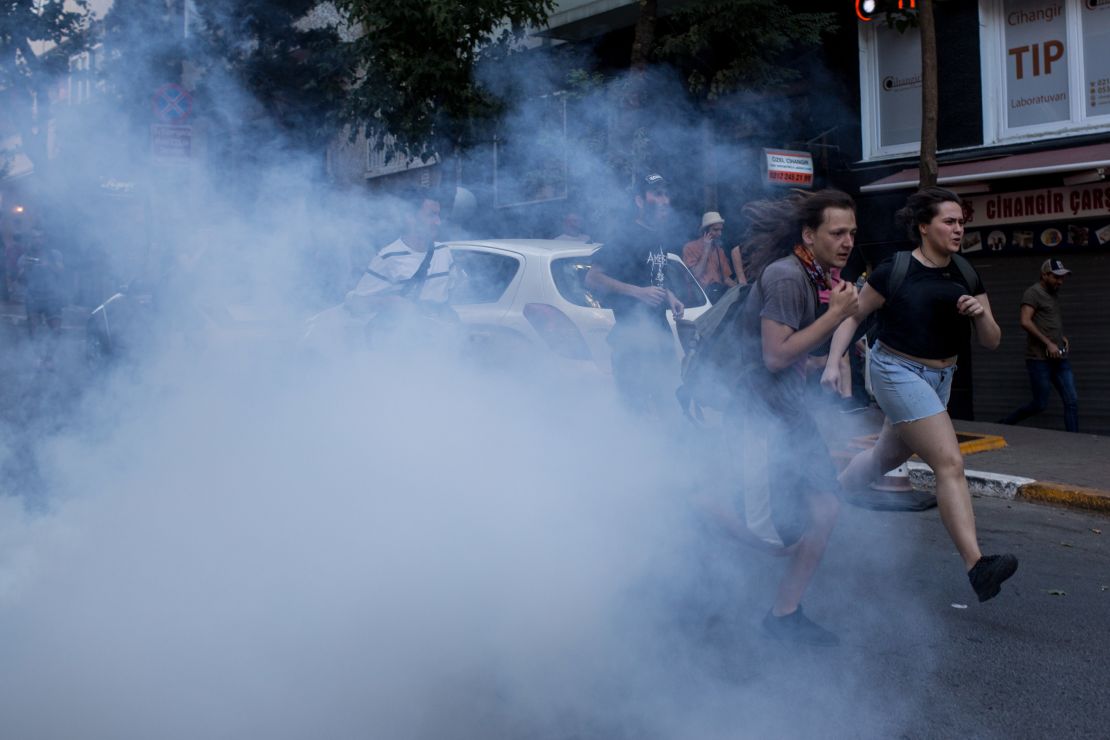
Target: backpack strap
column 898, row 272
column 967, row 272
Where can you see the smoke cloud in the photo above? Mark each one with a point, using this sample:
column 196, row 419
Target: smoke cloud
column 231, row 537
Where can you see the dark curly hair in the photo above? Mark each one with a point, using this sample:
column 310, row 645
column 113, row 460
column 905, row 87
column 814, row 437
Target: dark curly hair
column 921, row 208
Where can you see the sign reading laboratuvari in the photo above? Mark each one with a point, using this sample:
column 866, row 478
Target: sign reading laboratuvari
column 784, row 167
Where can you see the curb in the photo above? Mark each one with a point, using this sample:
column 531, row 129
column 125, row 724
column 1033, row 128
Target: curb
column 1017, row 488
column 994, row 485
column 1062, row 494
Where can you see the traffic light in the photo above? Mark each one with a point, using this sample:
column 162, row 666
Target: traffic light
column 868, row 10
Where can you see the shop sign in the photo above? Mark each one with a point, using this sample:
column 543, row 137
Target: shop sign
column 783, row 167
column 1028, row 206
column 1038, row 220
column 1036, row 62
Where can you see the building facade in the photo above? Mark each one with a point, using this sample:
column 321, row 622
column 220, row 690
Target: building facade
column 1024, row 138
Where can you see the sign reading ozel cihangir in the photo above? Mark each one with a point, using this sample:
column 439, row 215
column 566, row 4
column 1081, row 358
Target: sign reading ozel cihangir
column 789, row 168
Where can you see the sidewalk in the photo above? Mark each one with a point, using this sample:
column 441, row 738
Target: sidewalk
column 1061, row 468
column 1026, row 463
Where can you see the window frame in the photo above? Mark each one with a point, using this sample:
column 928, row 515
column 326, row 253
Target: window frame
column 871, row 123
column 993, row 61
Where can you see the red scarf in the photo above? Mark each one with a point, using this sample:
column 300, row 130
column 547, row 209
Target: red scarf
column 813, row 270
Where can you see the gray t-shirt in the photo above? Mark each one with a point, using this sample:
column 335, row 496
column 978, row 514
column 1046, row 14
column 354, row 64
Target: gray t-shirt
column 784, row 294
column 1046, row 317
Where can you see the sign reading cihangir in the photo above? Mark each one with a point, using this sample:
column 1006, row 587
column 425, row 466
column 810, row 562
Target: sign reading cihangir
column 788, row 168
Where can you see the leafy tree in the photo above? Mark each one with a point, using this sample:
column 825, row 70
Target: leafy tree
column 26, row 77
column 415, row 75
column 729, row 45
column 295, row 71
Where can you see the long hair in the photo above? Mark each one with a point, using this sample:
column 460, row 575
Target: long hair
column 775, row 226
column 921, row 208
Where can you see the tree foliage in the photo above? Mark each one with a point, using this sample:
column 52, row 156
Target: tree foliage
column 250, row 63
column 728, row 45
column 294, row 70
column 415, row 66
column 26, row 77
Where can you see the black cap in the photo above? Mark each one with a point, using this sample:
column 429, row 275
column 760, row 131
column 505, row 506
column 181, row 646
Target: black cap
column 654, row 181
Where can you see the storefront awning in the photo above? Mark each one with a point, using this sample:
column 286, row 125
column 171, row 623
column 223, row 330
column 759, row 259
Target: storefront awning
column 1080, row 158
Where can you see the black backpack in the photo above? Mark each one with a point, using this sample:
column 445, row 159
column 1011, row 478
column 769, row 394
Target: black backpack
column 902, row 265
column 714, row 365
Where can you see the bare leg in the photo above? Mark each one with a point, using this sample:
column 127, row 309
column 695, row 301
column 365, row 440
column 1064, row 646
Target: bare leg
column 934, row 439
column 823, row 511
column 868, row 466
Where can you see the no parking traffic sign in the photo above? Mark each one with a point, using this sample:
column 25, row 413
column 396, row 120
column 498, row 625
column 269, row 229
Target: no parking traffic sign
column 171, row 103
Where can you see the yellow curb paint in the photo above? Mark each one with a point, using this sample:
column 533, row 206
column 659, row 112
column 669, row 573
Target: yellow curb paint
column 981, row 443
column 1066, row 495
column 971, row 443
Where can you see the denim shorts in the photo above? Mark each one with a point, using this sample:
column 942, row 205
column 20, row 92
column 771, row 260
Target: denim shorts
column 907, row 390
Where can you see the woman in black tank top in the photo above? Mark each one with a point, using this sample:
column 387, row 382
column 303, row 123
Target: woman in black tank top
column 928, row 307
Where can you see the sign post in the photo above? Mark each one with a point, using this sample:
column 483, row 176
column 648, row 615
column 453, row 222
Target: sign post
column 171, row 138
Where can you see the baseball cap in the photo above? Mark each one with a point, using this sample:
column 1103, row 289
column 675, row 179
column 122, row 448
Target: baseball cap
column 1056, row 267
column 654, row 181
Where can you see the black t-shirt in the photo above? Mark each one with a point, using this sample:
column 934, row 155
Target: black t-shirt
column 922, row 320
column 636, row 256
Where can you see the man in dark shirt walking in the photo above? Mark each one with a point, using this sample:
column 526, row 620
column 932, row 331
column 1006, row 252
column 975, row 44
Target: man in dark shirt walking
column 629, row 276
column 1046, row 347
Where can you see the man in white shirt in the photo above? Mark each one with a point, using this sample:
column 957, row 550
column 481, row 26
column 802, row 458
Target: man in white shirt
column 412, row 267
column 403, row 295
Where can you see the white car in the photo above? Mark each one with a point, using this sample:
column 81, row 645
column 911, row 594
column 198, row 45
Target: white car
column 531, row 293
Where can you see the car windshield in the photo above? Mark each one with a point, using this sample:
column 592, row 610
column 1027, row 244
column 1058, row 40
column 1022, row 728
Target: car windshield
column 485, row 276
column 569, row 274
column 683, row 285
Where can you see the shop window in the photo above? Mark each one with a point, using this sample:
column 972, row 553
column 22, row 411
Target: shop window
column 890, row 90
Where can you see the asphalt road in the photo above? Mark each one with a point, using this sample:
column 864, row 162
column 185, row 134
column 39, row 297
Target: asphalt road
column 920, row 657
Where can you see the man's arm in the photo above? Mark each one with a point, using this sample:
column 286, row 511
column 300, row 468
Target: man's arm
column 1031, row 329
column 598, row 282
column 783, row 345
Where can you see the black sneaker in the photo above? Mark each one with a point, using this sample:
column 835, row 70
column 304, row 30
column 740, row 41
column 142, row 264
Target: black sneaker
column 988, row 574
column 797, row 627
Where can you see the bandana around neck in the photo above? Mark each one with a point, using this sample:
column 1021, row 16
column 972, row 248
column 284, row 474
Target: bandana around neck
column 813, row 270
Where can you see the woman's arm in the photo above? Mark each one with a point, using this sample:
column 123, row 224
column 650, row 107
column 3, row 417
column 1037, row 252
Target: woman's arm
column 870, row 300
column 979, row 309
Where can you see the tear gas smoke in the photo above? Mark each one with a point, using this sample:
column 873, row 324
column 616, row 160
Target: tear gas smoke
column 234, row 540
